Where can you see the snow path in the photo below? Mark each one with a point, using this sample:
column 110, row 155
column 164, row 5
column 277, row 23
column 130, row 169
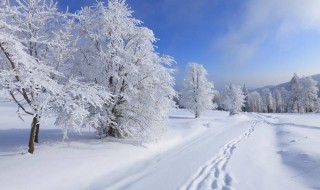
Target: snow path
column 245, row 169
column 213, row 174
column 173, row 168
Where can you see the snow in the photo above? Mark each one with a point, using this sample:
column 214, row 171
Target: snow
column 258, row 165
column 248, row 151
column 297, row 142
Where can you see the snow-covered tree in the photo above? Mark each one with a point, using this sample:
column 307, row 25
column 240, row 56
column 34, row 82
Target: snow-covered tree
column 116, row 52
column 285, row 94
column 278, row 100
column 80, row 105
column 197, row 94
column 233, row 99
column 318, row 106
column 255, row 102
column 218, row 100
column 280, row 95
column 245, row 108
column 46, row 34
column 26, row 79
column 267, row 99
column 295, row 101
column 303, row 94
column 27, row 76
column 309, row 94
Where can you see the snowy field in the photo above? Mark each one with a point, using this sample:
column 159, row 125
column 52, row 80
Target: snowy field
column 245, row 152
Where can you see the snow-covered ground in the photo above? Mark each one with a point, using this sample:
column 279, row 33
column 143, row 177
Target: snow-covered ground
column 247, row 152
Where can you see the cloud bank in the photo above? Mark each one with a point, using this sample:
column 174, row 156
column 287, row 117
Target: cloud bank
column 269, row 20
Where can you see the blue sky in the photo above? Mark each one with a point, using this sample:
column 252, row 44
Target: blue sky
column 256, row 42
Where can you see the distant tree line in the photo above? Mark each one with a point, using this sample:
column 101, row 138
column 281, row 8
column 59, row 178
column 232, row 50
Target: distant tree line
column 301, row 97
column 198, row 95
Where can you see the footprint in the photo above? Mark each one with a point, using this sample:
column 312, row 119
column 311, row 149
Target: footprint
column 214, row 184
column 225, row 165
column 216, row 173
column 226, row 188
column 228, row 180
column 232, row 148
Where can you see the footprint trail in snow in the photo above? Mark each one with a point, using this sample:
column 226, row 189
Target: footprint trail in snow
column 213, row 174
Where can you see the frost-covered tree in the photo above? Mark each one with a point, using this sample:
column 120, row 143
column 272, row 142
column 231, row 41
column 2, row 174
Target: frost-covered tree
column 278, row 100
column 309, row 94
column 295, row 101
column 30, row 79
column 245, row 108
column 267, row 99
column 197, row 94
column 303, row 95
column 279, row 104
column 318, row 106
column 233, row 99
column 255, row 102
column 215, row 99
column 45, row 33
column 285, row 94
column 218, row 100
column 117, row 52
column 26, row 79
column 280, row 95
column 80, row 105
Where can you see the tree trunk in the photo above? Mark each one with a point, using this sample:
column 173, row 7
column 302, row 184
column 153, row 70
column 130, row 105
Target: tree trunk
column 197, row 114
column 32, row 134
column 36, row 137
column 112, row 132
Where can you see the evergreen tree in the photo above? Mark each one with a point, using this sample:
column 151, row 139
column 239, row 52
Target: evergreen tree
column 295, row 101
column 310, row 94
column 245, row 108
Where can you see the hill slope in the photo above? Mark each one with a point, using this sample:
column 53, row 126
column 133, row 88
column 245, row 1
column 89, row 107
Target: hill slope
column 287, row 84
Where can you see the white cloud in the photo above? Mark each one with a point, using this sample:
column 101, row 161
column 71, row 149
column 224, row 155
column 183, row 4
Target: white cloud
column 269, row 20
